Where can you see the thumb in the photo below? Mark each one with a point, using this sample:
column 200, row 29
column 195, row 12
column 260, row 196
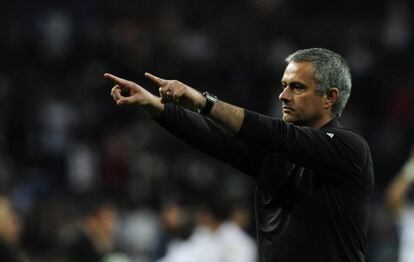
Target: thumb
column 126, row 100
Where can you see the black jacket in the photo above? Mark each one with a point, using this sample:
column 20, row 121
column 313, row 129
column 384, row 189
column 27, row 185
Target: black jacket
column 313, row 185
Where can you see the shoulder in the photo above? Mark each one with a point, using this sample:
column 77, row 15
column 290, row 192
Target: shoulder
column 355, row 156
column 349, row 136
column 348, row 141
column 354, row 148
column 346, row 136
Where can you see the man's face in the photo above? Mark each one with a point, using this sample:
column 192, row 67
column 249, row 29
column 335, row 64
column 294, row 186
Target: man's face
column 300, row 103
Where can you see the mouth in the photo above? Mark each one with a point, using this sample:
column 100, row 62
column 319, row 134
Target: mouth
column 287, row 109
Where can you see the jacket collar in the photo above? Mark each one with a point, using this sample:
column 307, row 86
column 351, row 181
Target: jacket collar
column 333, row 123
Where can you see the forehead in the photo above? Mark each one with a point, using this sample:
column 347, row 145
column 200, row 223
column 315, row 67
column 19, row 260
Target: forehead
column 299, row 72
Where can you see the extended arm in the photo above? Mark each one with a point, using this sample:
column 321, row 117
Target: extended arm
column 193, row 128
column 228, row 116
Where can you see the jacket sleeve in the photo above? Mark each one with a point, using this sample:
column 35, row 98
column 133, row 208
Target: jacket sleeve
column 207, row 136
column 332, row 151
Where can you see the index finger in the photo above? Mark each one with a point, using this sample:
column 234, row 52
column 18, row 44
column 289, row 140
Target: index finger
column 116, row 79
column 159, row 81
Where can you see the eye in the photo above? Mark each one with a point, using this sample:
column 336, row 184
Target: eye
column 298, row 88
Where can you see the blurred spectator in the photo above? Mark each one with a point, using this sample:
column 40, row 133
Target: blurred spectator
column 237, row 244
column 397, row 201
column 81, row 168
column 178, row 225
column 214, row 239
column 98, row 228
column 46, row 228
column 199, row 246
column 139, row 233
column 10, row 232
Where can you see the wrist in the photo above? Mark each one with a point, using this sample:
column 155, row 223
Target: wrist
column 209, row 101
column 153, row 106
column 200, row 101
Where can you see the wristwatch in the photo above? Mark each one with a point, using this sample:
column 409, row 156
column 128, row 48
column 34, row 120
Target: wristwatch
column 210, row 100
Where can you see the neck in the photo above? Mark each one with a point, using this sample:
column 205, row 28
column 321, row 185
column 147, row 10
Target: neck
column 316, row 122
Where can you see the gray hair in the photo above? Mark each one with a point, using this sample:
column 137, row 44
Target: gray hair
column 331, row 70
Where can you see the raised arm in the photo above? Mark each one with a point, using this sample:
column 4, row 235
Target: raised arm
column 193, row 128
column 172, row 91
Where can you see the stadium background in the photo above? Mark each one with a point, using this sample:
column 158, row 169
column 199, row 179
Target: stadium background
column 61, row 136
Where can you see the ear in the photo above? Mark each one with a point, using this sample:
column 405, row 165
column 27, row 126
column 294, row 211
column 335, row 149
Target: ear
column 331, row 97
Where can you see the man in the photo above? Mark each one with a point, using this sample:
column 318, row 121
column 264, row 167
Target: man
column 314, row 177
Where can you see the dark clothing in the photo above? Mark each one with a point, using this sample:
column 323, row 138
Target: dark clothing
column 84, row 250
column 9, row 253
column 313, row 185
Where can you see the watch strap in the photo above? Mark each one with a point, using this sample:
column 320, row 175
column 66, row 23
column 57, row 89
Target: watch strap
column 210, row 100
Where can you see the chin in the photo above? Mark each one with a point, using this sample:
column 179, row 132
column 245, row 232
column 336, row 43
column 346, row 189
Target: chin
column 290, row 120
column 287, row 119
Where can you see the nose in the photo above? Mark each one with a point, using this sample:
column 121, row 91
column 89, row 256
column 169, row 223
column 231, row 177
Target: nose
column 285, row 95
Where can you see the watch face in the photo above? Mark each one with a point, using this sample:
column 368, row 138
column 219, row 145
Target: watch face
column 210, row 97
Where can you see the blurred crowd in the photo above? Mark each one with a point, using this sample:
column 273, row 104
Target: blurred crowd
column 79, row 174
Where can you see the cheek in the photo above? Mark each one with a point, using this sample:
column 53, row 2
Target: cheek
column 312, row 102
column 303, row 104
column 308, row 106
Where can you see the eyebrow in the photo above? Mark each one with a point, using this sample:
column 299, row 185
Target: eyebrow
column 294, row 83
